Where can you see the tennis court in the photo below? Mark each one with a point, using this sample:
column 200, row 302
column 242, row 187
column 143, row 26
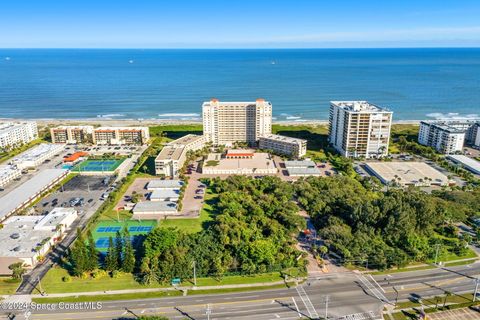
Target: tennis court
column 106, row 229
column 98, row 165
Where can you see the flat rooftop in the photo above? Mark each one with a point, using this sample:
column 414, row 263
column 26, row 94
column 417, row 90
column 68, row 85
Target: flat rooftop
column 164, row 184
column 450, row 126
column 25, row 191
column 7, row 170
column 170, row 153
column 469, row 163
column 299, row 164
column 7, row 127
column 278, row 137
column 258, row 161
column 155, row 207
column 20, row 235
column 37, row 152
column 310, row 171
column 359, row 106
column 216, row 102
column 407, row 173
column 164, row 194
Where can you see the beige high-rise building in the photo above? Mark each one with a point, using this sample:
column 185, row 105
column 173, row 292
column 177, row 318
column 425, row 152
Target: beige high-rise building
column 225, row 123
column 359, row 129
column 72, row 134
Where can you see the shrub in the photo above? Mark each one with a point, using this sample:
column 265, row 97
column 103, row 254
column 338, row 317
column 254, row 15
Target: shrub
column 66, row 278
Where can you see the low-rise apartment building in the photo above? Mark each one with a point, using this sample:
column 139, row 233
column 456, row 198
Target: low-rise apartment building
column 444, row 136
column 15, row 133
column 35, row 156
column 173, row 155
column 72, row 134
column 293, row 147
column 121, row 135
column 359, row 129
column 101, row 135
column 8, row 174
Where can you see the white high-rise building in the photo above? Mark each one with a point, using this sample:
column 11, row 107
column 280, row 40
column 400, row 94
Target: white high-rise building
column 15, row 133
column 225, row 123
column 444, row 136
column 473, row 134
column 359, row 128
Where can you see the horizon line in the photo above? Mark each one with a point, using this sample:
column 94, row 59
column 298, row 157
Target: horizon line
column 233, row 48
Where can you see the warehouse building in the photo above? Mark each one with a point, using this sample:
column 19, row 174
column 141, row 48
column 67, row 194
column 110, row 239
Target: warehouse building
column 21, row 197
column 304, row 168
column 154, row 210
column 35, row 156
column 258, row 163
column 164, row 184
column 26, row 238
column 466, row 162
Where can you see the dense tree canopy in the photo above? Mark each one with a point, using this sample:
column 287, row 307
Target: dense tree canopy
column 253, row 231
column 384, row 228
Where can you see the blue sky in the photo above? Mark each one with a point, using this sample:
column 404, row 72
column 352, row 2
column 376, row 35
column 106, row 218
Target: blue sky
column 238, row 23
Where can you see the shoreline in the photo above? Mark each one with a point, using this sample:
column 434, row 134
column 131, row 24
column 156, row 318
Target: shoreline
column 159, row 122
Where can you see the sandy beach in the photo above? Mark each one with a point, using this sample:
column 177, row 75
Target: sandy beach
column 158, row 122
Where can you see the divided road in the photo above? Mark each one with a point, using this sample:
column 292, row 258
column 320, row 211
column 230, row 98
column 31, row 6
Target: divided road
column 344, row 293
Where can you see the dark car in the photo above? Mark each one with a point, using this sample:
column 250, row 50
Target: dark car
column 197, row 197
column 90, row 200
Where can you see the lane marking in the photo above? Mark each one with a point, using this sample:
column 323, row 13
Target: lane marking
column 296, row 307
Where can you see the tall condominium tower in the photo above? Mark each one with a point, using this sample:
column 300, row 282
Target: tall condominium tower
column 444, row 136
column 227, row 122
column 359, row 128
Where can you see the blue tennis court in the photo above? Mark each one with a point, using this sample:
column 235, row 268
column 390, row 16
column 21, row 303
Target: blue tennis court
column 98, row 165
column 140, row 229
column 109, row 229
column 102, row 243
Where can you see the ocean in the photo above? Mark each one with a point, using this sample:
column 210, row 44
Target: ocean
column 172, row 84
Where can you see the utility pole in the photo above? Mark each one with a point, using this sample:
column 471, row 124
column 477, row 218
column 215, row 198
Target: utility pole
column 326, row 306
column 194, row 274
column 40, row 285
column 476, row 290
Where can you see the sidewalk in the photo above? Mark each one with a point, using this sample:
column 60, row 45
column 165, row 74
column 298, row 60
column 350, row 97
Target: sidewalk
column 112, row 292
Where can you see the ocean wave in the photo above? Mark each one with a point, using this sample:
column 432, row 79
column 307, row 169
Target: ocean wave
column 111, row 115
column 301, row 120
column 453, row 116
column 177, row 115
column 293, row 118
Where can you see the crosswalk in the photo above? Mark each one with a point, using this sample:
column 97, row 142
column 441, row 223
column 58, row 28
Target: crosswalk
column 307, row 302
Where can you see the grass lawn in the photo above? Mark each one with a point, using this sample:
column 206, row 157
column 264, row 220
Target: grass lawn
column 52, row 282
column 197, row 224
column 110, row 297
column 462, row 298
column 8, row 285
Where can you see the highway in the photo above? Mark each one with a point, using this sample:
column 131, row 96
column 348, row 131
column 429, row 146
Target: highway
column 343, row 293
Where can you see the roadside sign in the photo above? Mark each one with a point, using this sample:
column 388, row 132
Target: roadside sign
column 176, row 281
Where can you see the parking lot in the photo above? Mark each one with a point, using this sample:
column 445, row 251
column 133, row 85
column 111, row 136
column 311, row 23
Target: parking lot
column 90, row 188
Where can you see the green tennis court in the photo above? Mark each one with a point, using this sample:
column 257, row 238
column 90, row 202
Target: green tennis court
column 106, row 229
column 98, row 165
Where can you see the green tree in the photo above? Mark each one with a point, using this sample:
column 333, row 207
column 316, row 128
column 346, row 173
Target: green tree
column 119, row 248
column 129, row 253
column 17, row 270
column 92, row 252
column 111, row 259
column 79, row 255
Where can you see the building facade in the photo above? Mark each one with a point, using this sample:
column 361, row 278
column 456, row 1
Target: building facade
column 72, row 134
column 8, row 174
column 293, row 147
column 359, row 129
column 225, row 123
column 444, row 136
column 121, row 135
column 173, row 155
column 13, row 134
column 35, row 156
column 473, row 135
